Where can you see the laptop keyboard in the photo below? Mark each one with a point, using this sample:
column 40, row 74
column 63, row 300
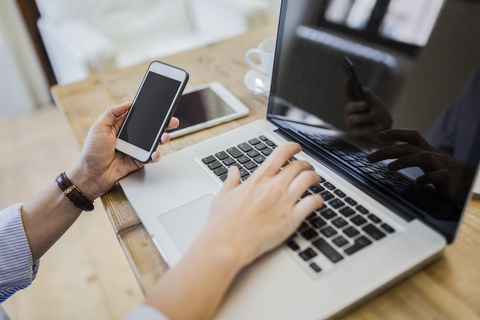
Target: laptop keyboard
column 339, row 229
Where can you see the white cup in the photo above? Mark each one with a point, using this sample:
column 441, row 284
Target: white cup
column 265, row 51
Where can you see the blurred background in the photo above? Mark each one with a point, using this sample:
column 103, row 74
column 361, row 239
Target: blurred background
column 45, row 42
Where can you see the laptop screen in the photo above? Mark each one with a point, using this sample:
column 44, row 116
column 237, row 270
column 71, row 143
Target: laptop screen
column 386, row 94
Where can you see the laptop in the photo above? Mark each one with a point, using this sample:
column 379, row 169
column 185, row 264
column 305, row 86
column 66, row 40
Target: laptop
column 377, row 225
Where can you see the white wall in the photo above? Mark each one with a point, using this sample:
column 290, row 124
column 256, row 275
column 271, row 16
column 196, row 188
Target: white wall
column 23, row 86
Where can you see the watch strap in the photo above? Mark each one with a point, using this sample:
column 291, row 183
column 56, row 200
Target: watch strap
column 72, row 193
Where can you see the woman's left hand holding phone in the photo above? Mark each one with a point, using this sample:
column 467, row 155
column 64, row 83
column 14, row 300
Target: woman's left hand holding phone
column 100, row 165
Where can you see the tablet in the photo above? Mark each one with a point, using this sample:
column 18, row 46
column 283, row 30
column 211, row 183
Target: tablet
column 206, row 106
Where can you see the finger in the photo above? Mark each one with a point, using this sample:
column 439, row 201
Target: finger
column 424, row 160
column 360, row 119
column 110, row 115
column 302, row 182
column 293, row 169
column 232, row 181
column 356, row 107
column 155, row 156
column 278, row 157
column 165, row 138
column 393, row 152
column 304, row 207
column 405, row 135
column 174, row 123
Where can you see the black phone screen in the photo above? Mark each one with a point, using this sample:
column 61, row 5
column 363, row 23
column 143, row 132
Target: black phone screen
column 149, row 110
column 200, row 106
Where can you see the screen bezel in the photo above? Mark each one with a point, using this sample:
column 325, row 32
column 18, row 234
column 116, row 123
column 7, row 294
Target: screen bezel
column 165, row 70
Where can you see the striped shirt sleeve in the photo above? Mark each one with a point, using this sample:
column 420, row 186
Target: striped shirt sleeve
column 17, row 270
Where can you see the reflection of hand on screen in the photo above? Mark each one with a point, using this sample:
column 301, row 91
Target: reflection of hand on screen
column 364, row 119
column 450, row 176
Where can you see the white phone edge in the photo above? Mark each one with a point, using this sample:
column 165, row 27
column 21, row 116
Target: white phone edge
column 240, row 109
column 165, row 70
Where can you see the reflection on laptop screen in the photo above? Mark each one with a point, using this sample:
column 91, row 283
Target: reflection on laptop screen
column 410, row 137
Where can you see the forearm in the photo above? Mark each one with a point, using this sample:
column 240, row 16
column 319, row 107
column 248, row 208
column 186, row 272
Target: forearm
column 46, row 218
column 195, row 287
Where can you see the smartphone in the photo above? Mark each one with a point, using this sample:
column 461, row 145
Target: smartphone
column 206, row 106
column 151, row 110
column 356, row 90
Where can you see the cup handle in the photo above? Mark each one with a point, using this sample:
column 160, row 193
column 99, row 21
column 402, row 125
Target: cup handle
column 256, row 67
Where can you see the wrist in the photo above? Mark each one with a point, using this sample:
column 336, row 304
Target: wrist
column 85, row 183
column 224, row 254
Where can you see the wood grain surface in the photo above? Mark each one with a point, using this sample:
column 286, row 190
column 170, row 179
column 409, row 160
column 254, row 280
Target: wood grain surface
column 447, row 289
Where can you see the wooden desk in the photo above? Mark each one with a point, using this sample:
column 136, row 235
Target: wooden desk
column 447, row 289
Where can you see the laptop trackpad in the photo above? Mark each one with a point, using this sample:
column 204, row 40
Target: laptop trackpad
column 184, row 224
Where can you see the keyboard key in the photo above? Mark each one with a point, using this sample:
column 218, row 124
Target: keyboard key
column 250, row 165
column 317, row 189
column 387, row 228
column 318, row 223
column 243, row 159
column 259, row 159
column 266, row 152
column 340, row 241
column 245, row 177
column 373, row 232
column 315, row 267
column 269, row 143
column 214, row 165
column 306, row 193
column 326, row 195
column 329, row 231
column 228, row 161
column 260, row 146
column 244, row 173
column 374, row 218
column 340, row 193
column 236, row 165
column 327, row 250
column 350, row 201
column 208, row 159
column 302, row 226
column 309, row 234
column 223, row 177
column 253, row 141
column 336, row 203
column 263, row 138
column 245, row 147
column 329, row 186
column 339, row 222
column 328, row 214
column 360, row 243
column 362, row 209
column 253, row 153
column 312, row 216
column 234, row 152
column 220, row 171
column 293, row 245
column 358, row 220
column 351, row 232
column 221, row 155
column 347, row 211
column 307, row 254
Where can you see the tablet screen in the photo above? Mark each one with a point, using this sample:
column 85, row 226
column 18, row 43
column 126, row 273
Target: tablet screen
column 200, row 106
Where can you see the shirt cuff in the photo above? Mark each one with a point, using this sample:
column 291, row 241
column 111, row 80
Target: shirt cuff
column 17, row 270
column 145, row 312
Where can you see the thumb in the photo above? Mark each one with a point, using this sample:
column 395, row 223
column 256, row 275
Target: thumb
column 110, row 116
column 233, row 180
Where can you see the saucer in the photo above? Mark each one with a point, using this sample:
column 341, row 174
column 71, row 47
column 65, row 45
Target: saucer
column 256, row 82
